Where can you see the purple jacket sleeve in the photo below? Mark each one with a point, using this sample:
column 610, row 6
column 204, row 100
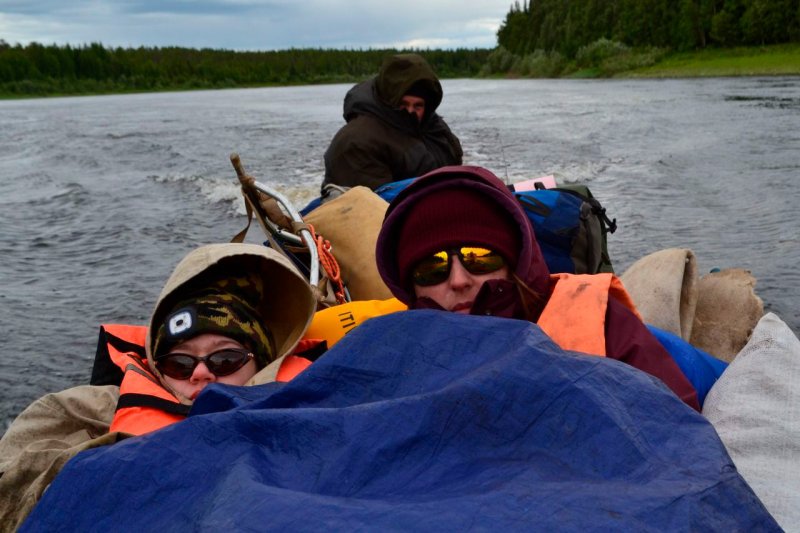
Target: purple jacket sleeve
column 628, row 340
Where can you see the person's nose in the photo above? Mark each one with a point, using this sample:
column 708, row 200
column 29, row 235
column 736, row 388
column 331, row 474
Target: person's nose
column 202, row 373
column 459, row 278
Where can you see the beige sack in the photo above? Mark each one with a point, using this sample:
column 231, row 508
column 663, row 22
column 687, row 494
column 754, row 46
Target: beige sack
column 351, row 223
column 48, row 433
column 727, row 311
column 663, row 285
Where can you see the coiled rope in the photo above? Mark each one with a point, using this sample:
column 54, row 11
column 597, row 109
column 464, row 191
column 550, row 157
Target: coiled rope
column 329, row 264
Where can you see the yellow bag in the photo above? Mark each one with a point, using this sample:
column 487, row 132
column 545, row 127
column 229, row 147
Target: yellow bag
column 333, row 323
column 351, row 222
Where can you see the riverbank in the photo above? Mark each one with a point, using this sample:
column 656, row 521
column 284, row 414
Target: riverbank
column 776, row 60
column 612, row 61
column 36, row 70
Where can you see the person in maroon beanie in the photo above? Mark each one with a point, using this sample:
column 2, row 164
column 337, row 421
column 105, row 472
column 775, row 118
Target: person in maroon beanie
column 457, row 240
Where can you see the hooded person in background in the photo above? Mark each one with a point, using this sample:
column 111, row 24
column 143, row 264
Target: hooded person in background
column 392, row 131
column 229, row 313
column 458, row 240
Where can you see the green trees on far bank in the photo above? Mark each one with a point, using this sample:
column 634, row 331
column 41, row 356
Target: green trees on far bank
column 36, row 69
column 538, row 38
column 565, row 27
column 554, row 38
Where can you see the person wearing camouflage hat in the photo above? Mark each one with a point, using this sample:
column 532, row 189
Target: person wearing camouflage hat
column 229, row 313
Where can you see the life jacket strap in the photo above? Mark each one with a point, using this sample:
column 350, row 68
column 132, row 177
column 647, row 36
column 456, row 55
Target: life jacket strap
column 123, row 346
column 145, row 400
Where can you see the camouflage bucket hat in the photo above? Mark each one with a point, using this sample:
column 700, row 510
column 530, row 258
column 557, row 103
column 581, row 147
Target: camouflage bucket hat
column 226, row 307
column 253, row 283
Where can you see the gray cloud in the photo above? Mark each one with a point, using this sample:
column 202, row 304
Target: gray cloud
column 193, row 7
column 255, row 24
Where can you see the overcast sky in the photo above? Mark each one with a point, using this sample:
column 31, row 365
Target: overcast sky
column 255, row 24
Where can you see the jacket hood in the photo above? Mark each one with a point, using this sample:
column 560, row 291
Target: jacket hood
column 287, row 307
column 400, row 72
column 381, row 95
column 530, row 266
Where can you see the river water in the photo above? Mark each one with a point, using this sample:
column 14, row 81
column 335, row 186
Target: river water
column 101, row 196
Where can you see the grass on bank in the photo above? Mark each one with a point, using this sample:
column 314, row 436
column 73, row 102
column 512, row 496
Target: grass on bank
column 776, row 60
column 611, row 59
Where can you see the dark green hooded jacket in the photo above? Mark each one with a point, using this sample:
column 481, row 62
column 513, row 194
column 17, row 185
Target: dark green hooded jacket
column 381, row 143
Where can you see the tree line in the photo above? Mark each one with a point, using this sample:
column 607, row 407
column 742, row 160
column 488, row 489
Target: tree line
column 542, row 38
column 36, row 69
column 567, row 26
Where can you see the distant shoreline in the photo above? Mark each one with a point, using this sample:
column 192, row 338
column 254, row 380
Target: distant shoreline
column 775, row 60
column 614, row 60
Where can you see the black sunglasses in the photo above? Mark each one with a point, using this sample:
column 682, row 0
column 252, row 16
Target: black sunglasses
column 220, row 363
column 435, row 269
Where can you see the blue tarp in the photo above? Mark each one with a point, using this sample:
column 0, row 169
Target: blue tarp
column 420, row 420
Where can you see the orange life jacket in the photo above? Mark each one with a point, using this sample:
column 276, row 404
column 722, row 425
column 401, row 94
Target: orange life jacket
column 291, row 366
column 574, row 316
column 144, row 404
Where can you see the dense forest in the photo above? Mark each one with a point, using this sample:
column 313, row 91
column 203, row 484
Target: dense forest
column 600, row 38
column 566, row 26
column 37, row 69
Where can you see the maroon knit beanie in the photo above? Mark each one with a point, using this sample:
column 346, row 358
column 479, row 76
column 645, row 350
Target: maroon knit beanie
column 455, row 217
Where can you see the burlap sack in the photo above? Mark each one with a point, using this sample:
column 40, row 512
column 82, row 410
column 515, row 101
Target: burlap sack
column 351, row 223
column 727, row 311
column 663, row 285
